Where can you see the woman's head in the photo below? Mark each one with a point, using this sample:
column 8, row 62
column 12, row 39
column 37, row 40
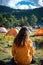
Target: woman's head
column 22, row 36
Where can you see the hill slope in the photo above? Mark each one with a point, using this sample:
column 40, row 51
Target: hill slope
column 6, row 11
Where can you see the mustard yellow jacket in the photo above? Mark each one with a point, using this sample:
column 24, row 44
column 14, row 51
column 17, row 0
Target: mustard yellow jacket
column 23, row 55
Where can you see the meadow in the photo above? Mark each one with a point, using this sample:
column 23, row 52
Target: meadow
column 6, row 44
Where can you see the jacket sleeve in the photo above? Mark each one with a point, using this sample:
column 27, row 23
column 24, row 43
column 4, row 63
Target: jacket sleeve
column 32, row 50
column 31, row 47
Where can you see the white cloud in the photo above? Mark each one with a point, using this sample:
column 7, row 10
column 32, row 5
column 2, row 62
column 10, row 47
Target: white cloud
column 12, row 3
column 40, row 2
column 26, row 6
column 32, row 7
column 22, row 7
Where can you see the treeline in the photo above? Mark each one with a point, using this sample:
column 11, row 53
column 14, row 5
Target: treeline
column 12, row 21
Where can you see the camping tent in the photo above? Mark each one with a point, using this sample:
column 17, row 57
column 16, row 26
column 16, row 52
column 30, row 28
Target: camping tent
column 12, row 32
column 3, row 30
column 39, row 32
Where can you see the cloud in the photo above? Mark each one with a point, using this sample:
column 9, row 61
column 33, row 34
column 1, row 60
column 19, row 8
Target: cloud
column 22, row 4
column 26, row 5
column 40, row 2
column 22, row 7
column 25, row 2
column 32, row 7
column 12, row 3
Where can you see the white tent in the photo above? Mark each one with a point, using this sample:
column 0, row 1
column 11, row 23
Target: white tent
column 3, row 30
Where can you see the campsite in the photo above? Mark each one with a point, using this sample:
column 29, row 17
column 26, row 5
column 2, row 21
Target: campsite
column 6, row 44
column 13, row 16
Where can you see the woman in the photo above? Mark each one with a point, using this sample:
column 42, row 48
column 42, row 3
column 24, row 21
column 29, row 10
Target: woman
column 22, row 48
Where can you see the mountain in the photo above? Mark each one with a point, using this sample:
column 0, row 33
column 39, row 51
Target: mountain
column 22, row 13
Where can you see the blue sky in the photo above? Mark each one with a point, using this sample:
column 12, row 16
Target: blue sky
column 22, row 4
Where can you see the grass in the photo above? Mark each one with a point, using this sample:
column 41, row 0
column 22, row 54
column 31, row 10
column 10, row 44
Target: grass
column 5, row 48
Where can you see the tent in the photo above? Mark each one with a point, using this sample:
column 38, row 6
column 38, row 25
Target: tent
column 39, row 32
column 3, row 30
column 12, row 32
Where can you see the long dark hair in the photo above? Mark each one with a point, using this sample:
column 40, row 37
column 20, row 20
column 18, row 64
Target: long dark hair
column 21, row 37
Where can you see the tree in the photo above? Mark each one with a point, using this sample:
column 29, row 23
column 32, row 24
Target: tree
column 42, row 19
column 1, row 20
column 33, row 20
column 24, row 21
column 14, row 21
column 21, row 21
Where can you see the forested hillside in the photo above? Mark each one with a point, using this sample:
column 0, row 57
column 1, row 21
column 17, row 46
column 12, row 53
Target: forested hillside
column 13, row 17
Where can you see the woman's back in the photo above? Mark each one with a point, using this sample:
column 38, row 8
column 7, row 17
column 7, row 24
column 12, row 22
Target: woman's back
column 23, row 55
column 22, row 49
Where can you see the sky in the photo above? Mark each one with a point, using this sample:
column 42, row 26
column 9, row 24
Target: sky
column 22, row 4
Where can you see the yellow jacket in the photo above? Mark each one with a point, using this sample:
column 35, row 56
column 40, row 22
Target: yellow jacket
column 23, row 55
